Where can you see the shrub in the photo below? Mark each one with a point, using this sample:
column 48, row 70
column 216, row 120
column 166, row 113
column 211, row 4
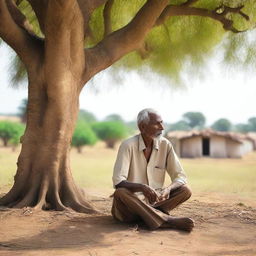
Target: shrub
column 83, row 135
column 11, row 132
column 110, row 132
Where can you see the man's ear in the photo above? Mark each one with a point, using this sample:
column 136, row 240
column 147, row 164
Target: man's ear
column 141, row 127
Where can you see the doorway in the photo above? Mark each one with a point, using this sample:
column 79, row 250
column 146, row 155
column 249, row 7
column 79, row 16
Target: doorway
column 206, row 146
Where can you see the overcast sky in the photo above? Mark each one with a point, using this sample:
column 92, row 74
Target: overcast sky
column 221, row 94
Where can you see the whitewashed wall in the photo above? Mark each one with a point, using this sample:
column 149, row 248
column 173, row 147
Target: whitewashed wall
column 218, row 147
column 191, row 147
column 233, row 149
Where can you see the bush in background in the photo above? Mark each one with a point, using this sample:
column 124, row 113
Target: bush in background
column 110, row 132
column 10, row 132
column 83, row 135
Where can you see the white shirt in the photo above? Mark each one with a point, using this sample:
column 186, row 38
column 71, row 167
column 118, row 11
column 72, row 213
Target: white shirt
column 131, row 164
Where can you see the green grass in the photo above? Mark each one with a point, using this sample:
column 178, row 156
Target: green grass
column 222, row 175
column 93, row 169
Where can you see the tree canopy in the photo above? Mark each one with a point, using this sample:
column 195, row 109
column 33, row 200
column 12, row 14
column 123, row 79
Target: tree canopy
column 110, row 131
column 86, row 116
column 83, row 135
column 222, row 124
column 195, row 119
column 11, row 132
column 181, row 39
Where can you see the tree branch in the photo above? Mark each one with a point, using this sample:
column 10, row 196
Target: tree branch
column 18, row 17
column 124, row 40
column 16, row 32
column 107, row 17
column 218, row 14
column 87, row 7
column 40, row 8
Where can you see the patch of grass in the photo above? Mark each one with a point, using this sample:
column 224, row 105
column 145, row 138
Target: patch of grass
column 222, row 175
column 8, row 160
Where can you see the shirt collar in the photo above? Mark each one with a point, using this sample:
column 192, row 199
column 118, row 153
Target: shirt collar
column 142, row 144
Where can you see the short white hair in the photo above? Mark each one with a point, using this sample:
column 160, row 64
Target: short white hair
column 143, row 116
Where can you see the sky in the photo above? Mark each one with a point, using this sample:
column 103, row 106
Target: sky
column 222, row 93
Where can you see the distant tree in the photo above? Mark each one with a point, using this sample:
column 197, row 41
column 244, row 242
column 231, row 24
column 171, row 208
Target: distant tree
column 222, row 124
column 10, row 132
column 131, row 126
column 110, row 132
column 194, row 119
column 242, row 128
column 179, row 126
column 83, row 135
column 252, row 124
column 86, row 116
column 114, row 117
column 23, row 110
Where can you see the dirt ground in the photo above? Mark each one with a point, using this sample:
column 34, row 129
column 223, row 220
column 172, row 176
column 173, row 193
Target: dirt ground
column 225, row 225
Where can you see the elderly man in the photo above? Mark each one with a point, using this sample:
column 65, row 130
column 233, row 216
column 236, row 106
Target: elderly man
column 139, row 173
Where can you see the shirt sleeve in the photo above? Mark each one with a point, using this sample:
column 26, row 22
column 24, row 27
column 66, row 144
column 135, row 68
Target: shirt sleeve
column 174, row 168
column 122, row 164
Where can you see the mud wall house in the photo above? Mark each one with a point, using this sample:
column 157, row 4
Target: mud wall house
column 209, row 143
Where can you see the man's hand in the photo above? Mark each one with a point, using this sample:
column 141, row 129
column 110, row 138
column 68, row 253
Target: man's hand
column 149, row 193
column 165, row 194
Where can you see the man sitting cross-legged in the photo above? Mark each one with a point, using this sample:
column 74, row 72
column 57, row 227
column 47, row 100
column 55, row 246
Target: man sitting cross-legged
column 139, row 173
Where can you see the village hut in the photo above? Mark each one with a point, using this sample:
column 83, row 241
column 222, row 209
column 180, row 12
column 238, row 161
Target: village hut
column 210, row 143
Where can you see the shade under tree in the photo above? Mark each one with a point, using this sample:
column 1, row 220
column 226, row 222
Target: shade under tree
column 63, row 43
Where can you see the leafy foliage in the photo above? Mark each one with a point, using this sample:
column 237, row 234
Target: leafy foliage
column 86, row 116
column 179, row 126
column 114, row 117
column 23, row 110
column 194, row 119
column 242, row 128
column 222, row 124
column 250, row 126
column 83, row 135
column 11, row 132
column 110, row 131
column 180, row 44
column 252, row 123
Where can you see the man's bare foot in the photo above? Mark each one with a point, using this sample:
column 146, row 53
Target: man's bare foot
column 185, row 224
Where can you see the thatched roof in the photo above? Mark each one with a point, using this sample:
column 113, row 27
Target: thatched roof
column 237, row 137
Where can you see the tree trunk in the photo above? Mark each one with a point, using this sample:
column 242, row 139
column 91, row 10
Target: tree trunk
column 110, row 143
column 79, row 149
column 5, row 142
column 43, row 179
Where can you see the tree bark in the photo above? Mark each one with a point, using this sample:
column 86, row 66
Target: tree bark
column 43, row 179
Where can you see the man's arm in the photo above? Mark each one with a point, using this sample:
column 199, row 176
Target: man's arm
column 148, row 192
column 176, row 173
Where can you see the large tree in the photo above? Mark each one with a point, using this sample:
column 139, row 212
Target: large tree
column 222, row 124
column 76, row 40
column 194, row 119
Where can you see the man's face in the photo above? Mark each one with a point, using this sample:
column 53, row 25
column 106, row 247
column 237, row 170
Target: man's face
column 154, row 128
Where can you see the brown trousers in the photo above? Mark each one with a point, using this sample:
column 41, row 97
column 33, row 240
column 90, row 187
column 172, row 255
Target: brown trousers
column 127, row 207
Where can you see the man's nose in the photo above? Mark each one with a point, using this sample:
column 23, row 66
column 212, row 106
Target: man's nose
column 161, row 126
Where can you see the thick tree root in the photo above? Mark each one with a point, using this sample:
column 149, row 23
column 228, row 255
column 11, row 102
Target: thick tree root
column 46, row 195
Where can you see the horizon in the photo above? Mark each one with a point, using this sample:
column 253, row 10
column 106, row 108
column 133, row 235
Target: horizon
column 216, row 91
